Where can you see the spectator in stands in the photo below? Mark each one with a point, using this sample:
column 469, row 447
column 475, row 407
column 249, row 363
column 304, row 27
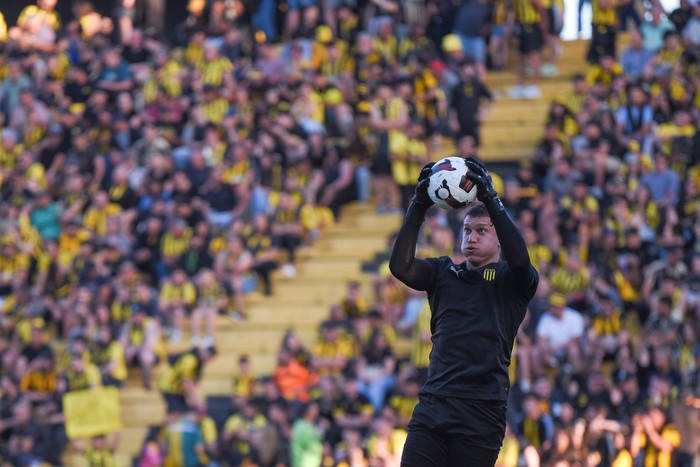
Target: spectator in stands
column 177, row 380
column 663, row 183
column 634, row 119
column 375, row 369
column 607, row 333
column 212, row 298
column 559, row 334
column 333, row 352
column 177, row 299
column 241, row 433
column 287, row 230
column 635, row 56
column 108, row 355
column 352, row 410
column 26, row 442
column 472, row 20
column 604, row 24
column 292, row 378
column 655, row 30
column 529, row 16
column 532, row 430
column 183, row 441
column 466, row 103
column 80, row 375
column 307, row 438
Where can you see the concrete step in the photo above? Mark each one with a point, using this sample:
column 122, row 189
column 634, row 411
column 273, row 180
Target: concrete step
column 262, row 340
column 74, row 459
column 506, row 153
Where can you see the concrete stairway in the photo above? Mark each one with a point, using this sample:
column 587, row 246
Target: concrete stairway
column 301, row 303
column 513, row 126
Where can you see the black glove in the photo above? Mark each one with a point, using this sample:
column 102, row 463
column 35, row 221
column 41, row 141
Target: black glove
column 420, row 195
column 485, row 191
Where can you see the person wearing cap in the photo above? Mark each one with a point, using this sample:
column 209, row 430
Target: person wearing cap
column 559, row 335
column 476, row 309
column 452, row 44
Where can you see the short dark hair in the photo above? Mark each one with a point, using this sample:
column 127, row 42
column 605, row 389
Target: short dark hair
column 477, row 210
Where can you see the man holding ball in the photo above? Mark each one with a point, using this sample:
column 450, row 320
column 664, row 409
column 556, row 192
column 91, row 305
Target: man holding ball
column 476, row 309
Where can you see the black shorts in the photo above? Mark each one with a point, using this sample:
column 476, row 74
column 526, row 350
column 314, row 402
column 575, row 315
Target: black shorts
column 446, row 431
column 175, row 403
column 136, row 361
column 530, row 38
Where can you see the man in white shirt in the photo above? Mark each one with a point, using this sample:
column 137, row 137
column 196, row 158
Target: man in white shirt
column 559, row 333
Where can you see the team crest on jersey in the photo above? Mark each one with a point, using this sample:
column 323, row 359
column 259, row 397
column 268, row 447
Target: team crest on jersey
column 489, row 274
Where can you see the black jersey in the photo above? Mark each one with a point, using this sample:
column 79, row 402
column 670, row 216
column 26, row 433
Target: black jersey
column 476, row 314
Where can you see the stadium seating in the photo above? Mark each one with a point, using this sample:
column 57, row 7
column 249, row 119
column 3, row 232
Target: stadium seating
column 510, row 131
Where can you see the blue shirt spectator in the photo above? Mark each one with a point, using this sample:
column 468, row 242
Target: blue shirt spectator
column 636, row 56
column 663, row 183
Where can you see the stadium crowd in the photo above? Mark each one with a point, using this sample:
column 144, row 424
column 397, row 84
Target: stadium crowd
column 150, row 179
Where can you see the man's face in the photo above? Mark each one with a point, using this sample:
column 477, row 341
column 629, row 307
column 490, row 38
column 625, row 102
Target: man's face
column 479, row 243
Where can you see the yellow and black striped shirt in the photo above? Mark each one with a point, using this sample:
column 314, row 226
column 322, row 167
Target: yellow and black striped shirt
column 608, row 326
column 215, row 110
column 103, row 457
column 604, row 16
column 89, row 378
column 213, row 72
column 526, row 12
column 176, row 246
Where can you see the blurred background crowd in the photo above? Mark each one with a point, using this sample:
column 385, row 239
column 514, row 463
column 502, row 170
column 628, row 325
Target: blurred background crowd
column 155, row 169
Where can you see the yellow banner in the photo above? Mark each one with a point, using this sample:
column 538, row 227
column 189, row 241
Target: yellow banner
column 92, row 412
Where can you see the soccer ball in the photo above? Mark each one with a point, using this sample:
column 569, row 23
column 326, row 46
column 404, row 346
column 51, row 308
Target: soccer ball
column 449, row 187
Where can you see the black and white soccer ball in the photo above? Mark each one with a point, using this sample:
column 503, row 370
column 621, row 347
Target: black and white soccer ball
column 449, row 187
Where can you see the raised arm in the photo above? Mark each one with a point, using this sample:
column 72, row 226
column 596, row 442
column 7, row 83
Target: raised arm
column 403, row 264
column 513, row 246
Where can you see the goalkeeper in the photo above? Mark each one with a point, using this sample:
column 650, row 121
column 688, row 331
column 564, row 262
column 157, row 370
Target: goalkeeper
column 476, row 309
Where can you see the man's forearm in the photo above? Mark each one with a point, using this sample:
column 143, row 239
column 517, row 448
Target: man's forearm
column 403, row 264
column 513, row 246
column 403, row 253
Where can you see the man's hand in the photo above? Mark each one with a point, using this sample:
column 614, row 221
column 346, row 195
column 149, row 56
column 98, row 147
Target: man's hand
column 480, row 176
column 420, row 195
